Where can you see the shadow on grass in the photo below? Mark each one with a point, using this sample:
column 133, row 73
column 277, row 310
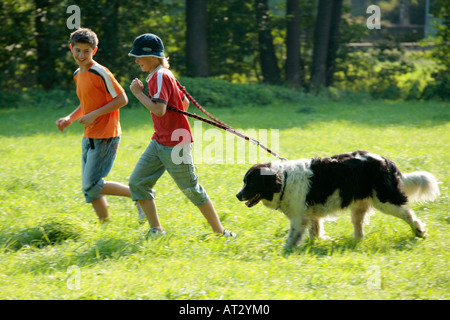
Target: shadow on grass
column 53, row 232
column 40, row 236
column 75, row 246
column 384, row 245
column 104, row 249
column 377, row 113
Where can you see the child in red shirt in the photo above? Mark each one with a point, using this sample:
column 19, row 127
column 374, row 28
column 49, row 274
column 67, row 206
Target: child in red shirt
column 170, row 148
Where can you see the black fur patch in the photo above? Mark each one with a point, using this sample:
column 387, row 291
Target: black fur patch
column 355, row 175
column 260, row 179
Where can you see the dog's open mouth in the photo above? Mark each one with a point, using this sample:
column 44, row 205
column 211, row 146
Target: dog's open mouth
column 250, row 203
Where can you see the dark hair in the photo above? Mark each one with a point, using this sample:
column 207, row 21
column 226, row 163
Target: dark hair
column 84, row 35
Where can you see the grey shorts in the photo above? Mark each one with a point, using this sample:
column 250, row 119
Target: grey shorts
column 158, row 158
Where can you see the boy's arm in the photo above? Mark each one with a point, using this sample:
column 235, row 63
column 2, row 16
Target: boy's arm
column 63, row 123
column 185, row 103
column 155, row 107
column 116, row 103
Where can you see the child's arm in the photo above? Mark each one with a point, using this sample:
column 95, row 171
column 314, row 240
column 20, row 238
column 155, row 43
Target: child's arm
column 155, row 107
column 63, row 123
column 116, row 103
column 185, row 103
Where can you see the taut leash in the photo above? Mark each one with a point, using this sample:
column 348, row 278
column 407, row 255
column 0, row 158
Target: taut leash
column 216, row 122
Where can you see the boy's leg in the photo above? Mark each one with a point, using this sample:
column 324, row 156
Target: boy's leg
column 101, row 209
column 209, row 212
column 115, row 189
column 149, row 207
column 96, row 164
column 142, row 180
column 186, row 179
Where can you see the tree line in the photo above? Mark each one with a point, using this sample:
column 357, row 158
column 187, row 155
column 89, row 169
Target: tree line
column 289, row 42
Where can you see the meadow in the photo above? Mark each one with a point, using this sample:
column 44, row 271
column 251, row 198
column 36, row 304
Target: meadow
column 51, row 246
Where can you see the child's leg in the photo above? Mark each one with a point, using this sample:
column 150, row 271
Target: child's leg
column 209, row 212
column 97, row 161
column 149, row 207
column 142, row 180
column 101, row 205
column 101, row 209
column 115, row 189
column 184, row 176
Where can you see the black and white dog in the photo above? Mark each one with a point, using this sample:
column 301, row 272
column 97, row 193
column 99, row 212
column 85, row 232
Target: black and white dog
column 309, row 190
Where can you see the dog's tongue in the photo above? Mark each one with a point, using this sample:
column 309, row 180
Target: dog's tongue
column 253, row 201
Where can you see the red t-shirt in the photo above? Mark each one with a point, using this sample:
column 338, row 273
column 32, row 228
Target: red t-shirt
column 172, row 128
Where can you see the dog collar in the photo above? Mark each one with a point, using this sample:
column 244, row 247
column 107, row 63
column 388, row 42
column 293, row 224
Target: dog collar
column 284, row 187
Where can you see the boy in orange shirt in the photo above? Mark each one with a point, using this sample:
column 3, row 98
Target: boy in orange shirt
column 101, row 97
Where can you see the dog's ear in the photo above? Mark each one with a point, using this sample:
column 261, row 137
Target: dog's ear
column 272, row 179
column 277, row 184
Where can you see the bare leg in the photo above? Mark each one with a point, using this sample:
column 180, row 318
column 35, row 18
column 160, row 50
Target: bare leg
column 101, row 209
column 209, row 212
column 149, row 207
column 115, row 189
column 101, row 205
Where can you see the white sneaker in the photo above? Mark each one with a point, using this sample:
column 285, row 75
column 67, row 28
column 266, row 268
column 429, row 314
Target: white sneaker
column 141, row 214
column 229, row 234
column 154, row 232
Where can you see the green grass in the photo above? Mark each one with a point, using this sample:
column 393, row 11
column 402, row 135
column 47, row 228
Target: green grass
column 46, row 229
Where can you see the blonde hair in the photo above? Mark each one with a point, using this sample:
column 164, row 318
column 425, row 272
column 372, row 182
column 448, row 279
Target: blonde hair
column 160, row 61
column 164, row 62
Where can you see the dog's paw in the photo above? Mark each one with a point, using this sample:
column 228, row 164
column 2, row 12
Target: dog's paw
column 288, row 250
column 420, row 230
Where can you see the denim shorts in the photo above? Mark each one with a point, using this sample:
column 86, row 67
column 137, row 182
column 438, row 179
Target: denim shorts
column 97, row 159
column 158, row 158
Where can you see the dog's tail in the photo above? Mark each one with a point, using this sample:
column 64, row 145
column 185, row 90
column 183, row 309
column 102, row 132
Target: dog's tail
column 420, row 186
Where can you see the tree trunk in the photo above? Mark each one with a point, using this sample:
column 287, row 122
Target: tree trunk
column 333, row 43
column 108, row 42
column 293, row 65
column 196, row 39
column 321, row 39
column 44, row 58
column 268, row 60
column 404, row 6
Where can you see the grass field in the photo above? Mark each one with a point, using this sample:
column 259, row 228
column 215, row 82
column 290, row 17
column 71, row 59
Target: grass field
column 51, row 246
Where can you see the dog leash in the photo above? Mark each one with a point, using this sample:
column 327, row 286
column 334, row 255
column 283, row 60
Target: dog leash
column 216, row 122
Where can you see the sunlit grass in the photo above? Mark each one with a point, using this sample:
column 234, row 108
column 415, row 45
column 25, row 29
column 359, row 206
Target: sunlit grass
column 46, row 228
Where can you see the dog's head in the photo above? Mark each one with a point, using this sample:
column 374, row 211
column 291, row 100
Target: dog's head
column 260, row 182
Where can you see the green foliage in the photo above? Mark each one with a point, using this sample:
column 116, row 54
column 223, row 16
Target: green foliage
column 387, row 71
column 18, row 46
column 117, row 24
column 220, row 93
column 232, row 41
column 207, row 92
column 34, row 50
column 37, row 98
column 440, row 85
